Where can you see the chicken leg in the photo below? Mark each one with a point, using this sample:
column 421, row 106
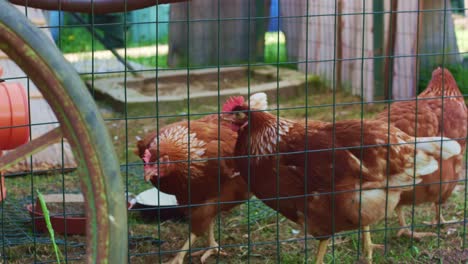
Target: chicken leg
column 179, row 258
column 321, row 251
column 435, row 221
column 367, row 244
column 405, row 231
column 214, row 246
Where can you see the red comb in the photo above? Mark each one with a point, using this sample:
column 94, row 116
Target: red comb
column 232, row 102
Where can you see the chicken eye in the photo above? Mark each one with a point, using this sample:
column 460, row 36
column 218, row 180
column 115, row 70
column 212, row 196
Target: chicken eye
column 240, row 115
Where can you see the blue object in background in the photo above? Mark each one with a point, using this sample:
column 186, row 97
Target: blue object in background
column 146, row 19
column 144, row 29
column 274, row 11
column 55, row 20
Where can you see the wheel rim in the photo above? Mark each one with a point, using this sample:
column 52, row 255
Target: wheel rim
column 83, row 127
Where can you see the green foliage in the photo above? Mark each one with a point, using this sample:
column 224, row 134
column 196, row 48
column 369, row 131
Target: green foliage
column 77, row 39
column 459, row 72
column 161, row 61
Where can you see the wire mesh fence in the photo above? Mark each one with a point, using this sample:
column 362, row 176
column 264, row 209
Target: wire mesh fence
column 351, row 124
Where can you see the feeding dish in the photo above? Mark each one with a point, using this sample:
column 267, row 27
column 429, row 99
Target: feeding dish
column 151, row 209
column 74, row 221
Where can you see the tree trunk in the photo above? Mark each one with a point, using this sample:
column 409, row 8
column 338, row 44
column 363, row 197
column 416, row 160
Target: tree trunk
column 437, row 35
column 232, row 29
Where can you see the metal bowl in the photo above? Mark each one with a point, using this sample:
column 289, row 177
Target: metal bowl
column 152, row 209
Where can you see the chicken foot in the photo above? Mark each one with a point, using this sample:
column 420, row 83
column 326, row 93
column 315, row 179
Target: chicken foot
column 367, row 245
column 321, row 251
column 179, row 258
column 214, row 246
column 436, row 221
column 405, row 231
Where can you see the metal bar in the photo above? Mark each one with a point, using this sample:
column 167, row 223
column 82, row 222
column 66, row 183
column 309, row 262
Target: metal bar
column 379, row 43
column 33, row 146
column 260, row 28
column 338, row 45
column 90, row 6
column 390, row 50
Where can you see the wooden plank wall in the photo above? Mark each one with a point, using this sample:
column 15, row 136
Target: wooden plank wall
column 357, row 48
column 317, row 47
column 293, row 16
column 355, row 45
column 404, row 63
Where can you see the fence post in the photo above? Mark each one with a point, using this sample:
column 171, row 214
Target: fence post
column 378, row 39
column 339, row 46
column 390, row 50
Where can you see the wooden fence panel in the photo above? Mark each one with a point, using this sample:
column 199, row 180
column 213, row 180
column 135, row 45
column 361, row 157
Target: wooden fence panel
column 351, row 60
column 318, row 46
column 357, row 48
column 404, row 62
column 293, row 16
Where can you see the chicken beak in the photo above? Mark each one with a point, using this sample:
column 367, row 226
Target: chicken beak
column 149, row 173
column 148, row 176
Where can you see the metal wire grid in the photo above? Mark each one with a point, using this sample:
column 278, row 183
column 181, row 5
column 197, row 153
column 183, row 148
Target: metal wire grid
column 130, row 168
column 16, row 230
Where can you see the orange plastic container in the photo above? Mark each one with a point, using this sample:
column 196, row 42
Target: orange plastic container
column 14, row 120
column 14, row 115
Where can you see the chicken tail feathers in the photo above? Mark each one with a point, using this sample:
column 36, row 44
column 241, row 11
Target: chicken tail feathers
column 426, row 160
column 438, row 146
column 430, row 149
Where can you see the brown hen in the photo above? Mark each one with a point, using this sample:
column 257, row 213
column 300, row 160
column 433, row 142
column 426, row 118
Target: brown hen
column 431, row 120
column 204, row 182
column 341, row 167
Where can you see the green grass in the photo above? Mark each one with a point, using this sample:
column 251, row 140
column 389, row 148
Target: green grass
column 264, row 230
column 77, row 39
column 151, row 61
